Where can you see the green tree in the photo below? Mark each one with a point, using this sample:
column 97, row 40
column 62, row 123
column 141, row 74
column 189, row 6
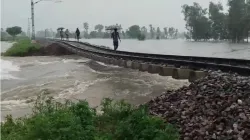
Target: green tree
column 141, row 37
column 144, row 30
column 93, row 34
column 217, row 17
column 247, row 20
column 171, row 32
column 13, row 31
column 99, row 28
column 106, row 34
column 152, row 31
column 86, row 27
column 187, row 35
column 165, row 32
column 134, row 31
column 236, row 19
column 158, row 31
column 196, row 21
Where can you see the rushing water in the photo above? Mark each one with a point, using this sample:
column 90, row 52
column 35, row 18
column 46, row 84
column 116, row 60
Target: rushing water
column 74, row 77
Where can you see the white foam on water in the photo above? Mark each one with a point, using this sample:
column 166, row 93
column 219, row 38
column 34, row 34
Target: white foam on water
column 37, row 62
column 46, row 63
column 74, row 61
column 79, row 87
column 98, row 72
column 10, row 104
column 6, row 68
column 114, row 66
column 18, row 88
column 100, row 63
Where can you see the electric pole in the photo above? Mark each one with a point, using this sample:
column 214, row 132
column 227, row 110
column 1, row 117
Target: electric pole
column 33, row 20
column 32, row 15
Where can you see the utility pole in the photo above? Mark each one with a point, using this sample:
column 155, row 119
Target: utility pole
column 33, row 20
column 32, row 15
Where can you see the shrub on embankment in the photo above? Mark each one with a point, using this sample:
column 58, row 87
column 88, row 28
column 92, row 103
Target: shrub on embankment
column 22, row 48
column 77, row 121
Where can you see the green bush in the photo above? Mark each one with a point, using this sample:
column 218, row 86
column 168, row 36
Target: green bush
column 51, row 120
column 23, row 47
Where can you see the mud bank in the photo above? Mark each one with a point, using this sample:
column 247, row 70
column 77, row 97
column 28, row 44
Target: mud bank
column 54, row 50
column 49, row 48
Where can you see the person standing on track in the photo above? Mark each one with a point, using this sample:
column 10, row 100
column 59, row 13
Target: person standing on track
column 77, row 34
column 115, row 36
column 61, row 34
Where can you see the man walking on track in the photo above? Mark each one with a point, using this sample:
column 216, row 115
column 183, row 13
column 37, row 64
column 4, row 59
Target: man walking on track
column 115, row 36
column 77, row 34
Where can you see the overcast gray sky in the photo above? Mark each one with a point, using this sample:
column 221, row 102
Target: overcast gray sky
column 72, row 13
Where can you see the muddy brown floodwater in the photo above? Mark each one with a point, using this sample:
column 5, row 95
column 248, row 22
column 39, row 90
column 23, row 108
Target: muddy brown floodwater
column 74, row 77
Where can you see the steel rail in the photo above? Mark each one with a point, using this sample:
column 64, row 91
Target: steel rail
column 229, row 61
column 242, row 70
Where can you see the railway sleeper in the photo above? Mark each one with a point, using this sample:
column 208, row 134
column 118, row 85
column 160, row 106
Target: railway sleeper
column 178, row 73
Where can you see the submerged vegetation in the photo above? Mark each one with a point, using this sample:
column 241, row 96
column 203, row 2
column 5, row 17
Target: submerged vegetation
column 23, row 47
column 77, row 121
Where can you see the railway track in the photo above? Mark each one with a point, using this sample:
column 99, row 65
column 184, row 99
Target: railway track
column 239, row 62
column 239, row 66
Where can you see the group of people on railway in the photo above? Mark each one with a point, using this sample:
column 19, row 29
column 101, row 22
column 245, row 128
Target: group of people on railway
column 77, row 34
column 114, row 35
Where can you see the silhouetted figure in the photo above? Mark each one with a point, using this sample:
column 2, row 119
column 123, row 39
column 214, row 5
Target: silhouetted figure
column 67, row 34
column 115, row 36
column 77, row 34
column 61, row 34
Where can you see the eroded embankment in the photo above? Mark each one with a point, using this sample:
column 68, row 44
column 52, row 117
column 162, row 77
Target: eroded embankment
column 53, row 49
column 49, row 48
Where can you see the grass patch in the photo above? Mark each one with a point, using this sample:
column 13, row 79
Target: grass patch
column 23, row 47
column 51, row 120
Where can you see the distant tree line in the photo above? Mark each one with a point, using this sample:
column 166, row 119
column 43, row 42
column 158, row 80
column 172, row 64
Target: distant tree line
column 133, row 32
column 213, row 23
